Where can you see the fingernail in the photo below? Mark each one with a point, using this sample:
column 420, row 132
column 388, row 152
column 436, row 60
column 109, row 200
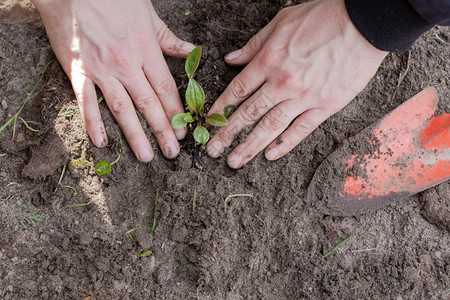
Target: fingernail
column 181, row 133
column 233, row 55
column 170, row 150
column 272, row 154
column 214, row 149
column 234, row 160
column 144, row 154
column 100, row 140
column 185, row 46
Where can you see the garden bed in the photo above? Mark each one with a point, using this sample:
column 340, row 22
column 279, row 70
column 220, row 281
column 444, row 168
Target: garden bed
column 270, row 245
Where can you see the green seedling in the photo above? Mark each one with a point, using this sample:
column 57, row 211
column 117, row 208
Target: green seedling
column 81, row 204
column 195, row 99
column 78, row 163
column 155, row 213
column 103, row 167
column 229, row 111
column 446, row 291
column 75, row 193
column 2, row 154
column 129, row 232
column 146, row 253
column 30, row 217
column 337, row 246
column 29, row 96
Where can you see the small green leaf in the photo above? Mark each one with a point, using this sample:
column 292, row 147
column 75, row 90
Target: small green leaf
column 189, row 118
column 179, row 120
column 229, row 111
column 102, row 168
column 193, row 61
column 217, row 120
column 146, row 253
column 201, row 135
column 195, row 96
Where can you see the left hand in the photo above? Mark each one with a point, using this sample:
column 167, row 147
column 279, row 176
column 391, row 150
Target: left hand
column 304, row 66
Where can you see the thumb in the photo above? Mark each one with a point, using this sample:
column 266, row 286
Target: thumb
column 171, row 45
column 244, row 55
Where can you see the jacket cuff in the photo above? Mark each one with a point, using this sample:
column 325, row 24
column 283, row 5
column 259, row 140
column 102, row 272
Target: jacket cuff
column 389, row 25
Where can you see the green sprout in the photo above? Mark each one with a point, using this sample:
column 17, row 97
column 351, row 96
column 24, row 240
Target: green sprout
column 336, row 247
column 29, row 96
column 146, row 253
column 103, row 167
column 129, row 232
column 155, row 213
column 195, row 99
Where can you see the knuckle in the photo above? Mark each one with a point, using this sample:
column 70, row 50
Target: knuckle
column 145, row 103
column 118, row 106
column 303, row 127
column 165, row 87
column 254, row 43
column 250, row 112
column 164, row 34
column 286, row 79
column 271, row 123
column 238, row 89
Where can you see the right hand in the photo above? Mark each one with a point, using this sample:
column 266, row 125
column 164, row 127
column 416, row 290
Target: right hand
column 118, row 46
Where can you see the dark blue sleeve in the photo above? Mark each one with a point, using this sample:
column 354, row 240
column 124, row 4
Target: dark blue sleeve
column 394, row 25
column 434, row 11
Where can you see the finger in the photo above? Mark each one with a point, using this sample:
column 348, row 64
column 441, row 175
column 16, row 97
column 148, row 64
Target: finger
column 163, row 84
column 267, row 130
column 148, row 104
column 305, row 124
column 170, row 44
column 87, row 101
column 240, row 88
column 122, row 108
column 249, row 113
column 244, row 55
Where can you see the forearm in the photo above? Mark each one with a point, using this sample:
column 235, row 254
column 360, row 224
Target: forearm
column 394, row 25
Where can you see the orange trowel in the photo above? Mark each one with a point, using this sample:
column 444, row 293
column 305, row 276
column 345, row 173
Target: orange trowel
column 404, row 153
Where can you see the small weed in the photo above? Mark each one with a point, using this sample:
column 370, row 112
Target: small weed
column 155, row 213
column 78, row 163
column 29, row 96
column 337, row 246
column 187, row 13
column 2, row 154
column 30, row 216
column 146, row 253
column 366, row 234
column 81, row 204
column 75, row 193
column 195, row 99
column 446, row 291
column 315, row 249
column 103, row 167
column 227, row 199
column 229, row 111
column 129, row 232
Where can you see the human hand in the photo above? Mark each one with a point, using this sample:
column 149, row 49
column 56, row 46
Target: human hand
column 304, row 66
column 118, row 46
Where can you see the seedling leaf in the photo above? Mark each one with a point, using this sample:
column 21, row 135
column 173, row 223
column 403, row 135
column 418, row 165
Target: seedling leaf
column 201, row 135
column 192, row 61
column 217, row 120
column 102, row 168
column 179, row 120
column 189, row 118
column 195, row 96
column 146, row 253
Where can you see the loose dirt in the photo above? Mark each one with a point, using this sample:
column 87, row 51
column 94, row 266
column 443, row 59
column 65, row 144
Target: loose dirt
column 268, row 246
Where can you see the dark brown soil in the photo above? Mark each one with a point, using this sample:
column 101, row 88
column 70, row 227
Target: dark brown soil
column 269, row 246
